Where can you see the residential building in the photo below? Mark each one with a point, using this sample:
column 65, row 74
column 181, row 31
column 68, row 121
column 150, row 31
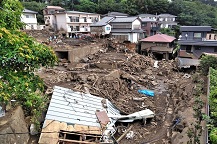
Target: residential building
column 29, row 18
column 159, row 45
column 102, row 27
column 127, row 29
column 196, row 40
column 71, row 22
column 150, row 26
column 149, row 16
column 166, row 20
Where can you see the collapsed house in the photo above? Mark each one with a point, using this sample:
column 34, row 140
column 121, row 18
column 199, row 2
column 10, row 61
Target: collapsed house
column 75, row 117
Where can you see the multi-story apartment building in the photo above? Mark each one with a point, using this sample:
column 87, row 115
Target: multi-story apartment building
column 69, row 21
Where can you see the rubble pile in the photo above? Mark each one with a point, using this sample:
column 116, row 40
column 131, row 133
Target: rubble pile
column 118, row 75
column 120, row 81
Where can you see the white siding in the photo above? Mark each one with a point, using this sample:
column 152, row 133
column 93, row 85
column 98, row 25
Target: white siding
column 107, row 29
column 136, row 23
column 134, row 37
column 61, row 22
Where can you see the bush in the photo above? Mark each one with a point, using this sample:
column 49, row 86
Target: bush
column 206, row 62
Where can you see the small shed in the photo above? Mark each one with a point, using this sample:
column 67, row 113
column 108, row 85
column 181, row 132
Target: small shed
column 160, row 45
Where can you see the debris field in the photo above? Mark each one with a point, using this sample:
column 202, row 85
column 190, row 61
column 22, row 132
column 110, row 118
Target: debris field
column 118, row 75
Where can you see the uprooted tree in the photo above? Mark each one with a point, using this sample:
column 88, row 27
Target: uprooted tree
column 20, row 56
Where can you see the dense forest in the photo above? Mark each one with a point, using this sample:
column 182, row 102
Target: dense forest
column 188, row 12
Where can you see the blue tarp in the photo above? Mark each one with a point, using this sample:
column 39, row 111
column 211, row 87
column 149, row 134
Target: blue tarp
column 147, row 92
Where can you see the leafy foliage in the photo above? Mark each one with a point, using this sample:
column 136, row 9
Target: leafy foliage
column 20, row 56
column 206, row 62
column 213, row 103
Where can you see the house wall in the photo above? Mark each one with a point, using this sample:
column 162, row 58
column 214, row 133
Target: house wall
column 122, row 36
column 107, row 29
column 191, row 36
column 135, row 37
column 198, row 52
column 147, row 26
column 30, row 20
column 136, row 24
column 61, row 22
column 156, row 46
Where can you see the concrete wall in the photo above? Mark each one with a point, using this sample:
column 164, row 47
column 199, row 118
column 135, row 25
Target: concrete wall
column 61, row 21
column 76, row 54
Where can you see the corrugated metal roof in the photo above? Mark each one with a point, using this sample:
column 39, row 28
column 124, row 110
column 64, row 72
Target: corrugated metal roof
column 29, row 11
column 77, row 108
column 195, row 28
column 104, row 21
column 124, row 19
column 187, row 62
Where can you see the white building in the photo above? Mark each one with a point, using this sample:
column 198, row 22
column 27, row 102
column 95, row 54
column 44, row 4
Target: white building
column 127, row 29
column 166, row 20
column 29, row 18
column 69, row 21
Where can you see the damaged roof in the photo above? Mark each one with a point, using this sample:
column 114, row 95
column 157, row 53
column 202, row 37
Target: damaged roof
column 78, row 108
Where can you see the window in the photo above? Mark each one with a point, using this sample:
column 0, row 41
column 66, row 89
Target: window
column 188, row 49
column 71, row 27
column 85, row 19
column 108, row 28
column 77, row 28
column 215, row 49
column 144, row 24
column 197, row 35
column 197, row 48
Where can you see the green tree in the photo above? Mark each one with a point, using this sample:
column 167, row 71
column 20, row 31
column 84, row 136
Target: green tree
column 38, row 7
column 87, row 6
column 206, row 62
column 20, row 56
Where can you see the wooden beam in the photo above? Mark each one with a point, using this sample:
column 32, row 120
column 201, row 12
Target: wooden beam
column 77, row 141
column 122, row 136
column 99, row 136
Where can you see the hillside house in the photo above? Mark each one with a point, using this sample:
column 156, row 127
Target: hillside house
column 194, row 42
column 102, row 27
column 166, row 20
column 71, row 22
column 115, row 14
column 127, row 29
column 150, row 26
column 29, row 18
column 160, row 45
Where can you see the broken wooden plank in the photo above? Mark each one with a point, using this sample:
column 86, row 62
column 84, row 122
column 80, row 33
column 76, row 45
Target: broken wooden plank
column 76, row 141
column 122, row 136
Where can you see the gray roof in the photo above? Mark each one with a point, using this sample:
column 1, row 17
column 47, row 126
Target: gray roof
column 166, row 15
column 198, row 43
column 147, row 15
column 124, row 19
column 29, row 11
column 126, row 31
column 187, row 62
column 116, row 14
column 148, row 20
column 77, row 108
column 195, row 28
column 104, row 21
